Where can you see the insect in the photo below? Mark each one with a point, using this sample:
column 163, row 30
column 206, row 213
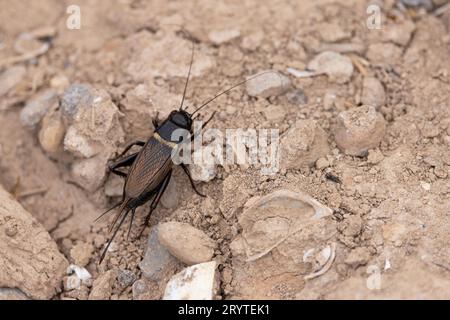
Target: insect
column 150, row 169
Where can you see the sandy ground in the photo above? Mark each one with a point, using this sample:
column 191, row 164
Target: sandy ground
column 389, row 227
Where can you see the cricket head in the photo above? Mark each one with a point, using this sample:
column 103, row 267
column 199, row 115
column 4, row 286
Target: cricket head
column 181, row 118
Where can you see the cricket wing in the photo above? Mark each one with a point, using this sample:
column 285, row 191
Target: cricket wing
column 149, row 169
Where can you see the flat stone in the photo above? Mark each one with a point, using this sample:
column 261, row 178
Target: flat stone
column 269, row 83
column 157, row 260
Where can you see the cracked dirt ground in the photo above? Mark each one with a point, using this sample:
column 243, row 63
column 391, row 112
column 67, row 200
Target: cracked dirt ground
column 391, row 207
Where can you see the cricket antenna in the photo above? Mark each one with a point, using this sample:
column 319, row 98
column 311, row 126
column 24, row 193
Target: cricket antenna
column 189, row 74
column 231, row 88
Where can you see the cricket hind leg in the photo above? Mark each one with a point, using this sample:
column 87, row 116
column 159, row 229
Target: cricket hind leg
column 186, row 170
column 159, row 192
column 124, row 162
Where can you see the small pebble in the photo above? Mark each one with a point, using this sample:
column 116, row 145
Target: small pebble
column 186, row 243
column 197, row 282
column 102, row 286
column 322, row 163
column 268, row 84
column 126, row 278
column 52, row 131
column 74, row 96
column 359, row 129
column 399, row 33
column 37, row 107
column 373, row 92
column 81, row 253
column 90, row 173
column 337, row 67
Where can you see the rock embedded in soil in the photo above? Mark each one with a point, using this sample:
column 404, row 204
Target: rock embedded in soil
column 385, row 53
column 270, row 220
column 303, row 144
column 10, row 78
column 197, row 282
column 102, row 286
column 399, row 33
column 373, row 92
column 79, row 145
column 337, row 67
column 81, row 253
column 126, row 278
column 52, row 131
column 74, row 97
column 157, row 260
column 12, row 294
column 359, row 130
column 29, row 257
column 37, row 107
column 186, row 243
column 358, row 257
column 268, row 84
column 332, row 32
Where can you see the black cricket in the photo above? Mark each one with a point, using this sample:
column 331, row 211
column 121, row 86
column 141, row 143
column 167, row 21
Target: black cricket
column 150, row 168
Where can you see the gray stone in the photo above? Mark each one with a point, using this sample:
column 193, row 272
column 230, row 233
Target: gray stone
column 156, row 259
column 37, row 107
column 126, row 278
column 373, row 92
column 74, row 96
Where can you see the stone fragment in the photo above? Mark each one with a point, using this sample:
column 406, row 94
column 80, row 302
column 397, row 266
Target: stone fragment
column 269, row 83
column 337, row 67
column 359, row 129
column 197, row 282
column 157, row 260
column 186, row 243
